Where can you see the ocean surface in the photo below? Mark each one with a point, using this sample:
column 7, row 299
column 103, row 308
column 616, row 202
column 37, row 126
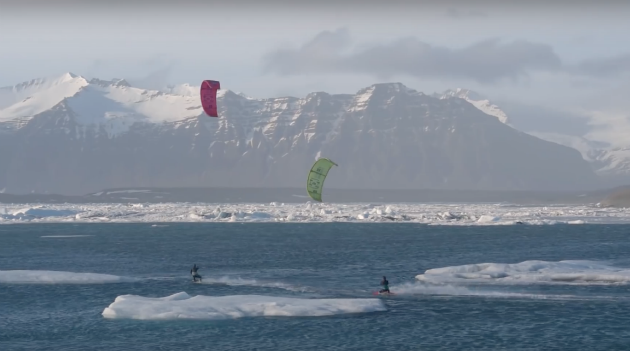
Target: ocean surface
column 568, row 287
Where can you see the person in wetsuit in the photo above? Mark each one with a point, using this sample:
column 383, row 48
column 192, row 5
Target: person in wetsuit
column 385, row 284
column 194, row 273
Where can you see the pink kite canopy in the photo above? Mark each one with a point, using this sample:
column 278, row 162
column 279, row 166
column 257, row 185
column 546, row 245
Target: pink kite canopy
column 209, row 97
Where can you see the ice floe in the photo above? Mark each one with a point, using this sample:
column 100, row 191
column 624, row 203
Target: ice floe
column 58, row 277
column 64, row 236
column 490, row 291
column 529, row 272
column 183, row 306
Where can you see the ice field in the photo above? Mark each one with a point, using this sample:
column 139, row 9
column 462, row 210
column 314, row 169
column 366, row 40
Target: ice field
column 434, row 214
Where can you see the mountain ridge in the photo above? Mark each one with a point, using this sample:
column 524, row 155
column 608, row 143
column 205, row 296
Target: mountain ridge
column 388, row 136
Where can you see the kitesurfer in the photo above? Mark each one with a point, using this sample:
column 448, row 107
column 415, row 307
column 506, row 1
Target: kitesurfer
column 194, row 273
column 385, row 284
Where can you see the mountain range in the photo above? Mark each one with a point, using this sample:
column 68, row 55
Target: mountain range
column 70, row 135
column 611, row 162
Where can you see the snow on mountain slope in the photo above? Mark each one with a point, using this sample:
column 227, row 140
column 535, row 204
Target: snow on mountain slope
column 23, row 101
column 113, row 104
column 606, row 160
column 614, row 161
column 103, row 100
column 182, row 89
column 606, row 148
column 385, row 135
column 116, row 105
column 192, row 90
column 586, row 147
column 477, row 100
column 13, row 94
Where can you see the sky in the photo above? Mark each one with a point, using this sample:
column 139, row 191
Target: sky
column 573, row 55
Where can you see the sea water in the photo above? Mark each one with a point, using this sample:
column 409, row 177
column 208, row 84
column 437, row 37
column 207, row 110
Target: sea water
column 291, row 286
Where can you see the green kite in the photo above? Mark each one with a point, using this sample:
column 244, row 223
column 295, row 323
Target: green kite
column 316, row 177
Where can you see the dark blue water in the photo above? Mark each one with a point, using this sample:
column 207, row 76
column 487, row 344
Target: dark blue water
column 315, row 261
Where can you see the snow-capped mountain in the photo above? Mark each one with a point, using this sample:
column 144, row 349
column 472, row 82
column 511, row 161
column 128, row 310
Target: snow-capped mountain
column 110, row 106
column 69, row 135
column 480, row 102
column 18, row 104
column 612, row 162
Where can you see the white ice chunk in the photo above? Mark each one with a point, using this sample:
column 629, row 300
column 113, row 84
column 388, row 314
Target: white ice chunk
column 64, row 236
column 41, row 211
column 487, row 219
column 183, row 306
column 528, row 272
column 58, row 277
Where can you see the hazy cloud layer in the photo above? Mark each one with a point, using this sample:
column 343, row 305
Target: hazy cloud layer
column 604, row 67
column 154, row 72
column 161, row 70
column 459, row 14
column 486, row 61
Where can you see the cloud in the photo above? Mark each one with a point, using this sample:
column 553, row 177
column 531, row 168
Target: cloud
column 459, row 14
column 155, row 80
column 604, row 67
column 161, row 70
column 485, row 62
column 488, row 61
column 152, row 73
column 548, row 119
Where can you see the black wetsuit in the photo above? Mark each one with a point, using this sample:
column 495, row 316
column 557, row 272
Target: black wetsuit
column 385, row 284
column 194, row 273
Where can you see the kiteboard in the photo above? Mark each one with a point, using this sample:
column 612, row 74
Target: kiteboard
column 383, row 293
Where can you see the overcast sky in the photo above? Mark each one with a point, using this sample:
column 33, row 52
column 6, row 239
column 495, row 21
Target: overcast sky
column 574, row 53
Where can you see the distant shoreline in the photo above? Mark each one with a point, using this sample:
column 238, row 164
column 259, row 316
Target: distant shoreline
column 298, row 195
